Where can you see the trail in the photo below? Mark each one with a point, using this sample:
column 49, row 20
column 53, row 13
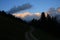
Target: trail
column 29, row 35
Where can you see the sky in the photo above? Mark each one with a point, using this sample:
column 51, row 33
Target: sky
column 37, row 5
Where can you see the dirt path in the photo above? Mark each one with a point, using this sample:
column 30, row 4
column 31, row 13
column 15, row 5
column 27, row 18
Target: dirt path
column 29, row 35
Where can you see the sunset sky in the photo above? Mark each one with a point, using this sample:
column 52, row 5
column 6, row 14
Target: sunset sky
column 37, row 5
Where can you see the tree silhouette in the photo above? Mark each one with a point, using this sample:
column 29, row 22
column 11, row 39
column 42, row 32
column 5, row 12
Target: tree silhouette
column 43, row 18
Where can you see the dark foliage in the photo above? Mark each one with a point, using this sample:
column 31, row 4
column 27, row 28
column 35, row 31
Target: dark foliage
column 47, row 24
column 11, row 28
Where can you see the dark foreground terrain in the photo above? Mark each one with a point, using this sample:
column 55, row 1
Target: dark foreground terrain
column 12, row 28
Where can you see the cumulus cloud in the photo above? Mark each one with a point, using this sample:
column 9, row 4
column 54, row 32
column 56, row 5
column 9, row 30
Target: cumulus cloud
column 53, row 12
column 19, row 8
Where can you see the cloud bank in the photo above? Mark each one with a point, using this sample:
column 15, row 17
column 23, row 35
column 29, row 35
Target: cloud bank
column 29, row 16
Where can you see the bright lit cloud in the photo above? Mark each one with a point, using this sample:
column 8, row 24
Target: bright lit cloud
column 23, row 15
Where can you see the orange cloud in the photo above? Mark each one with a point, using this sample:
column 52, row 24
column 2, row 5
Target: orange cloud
column 22, row 15
column 58, row 10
